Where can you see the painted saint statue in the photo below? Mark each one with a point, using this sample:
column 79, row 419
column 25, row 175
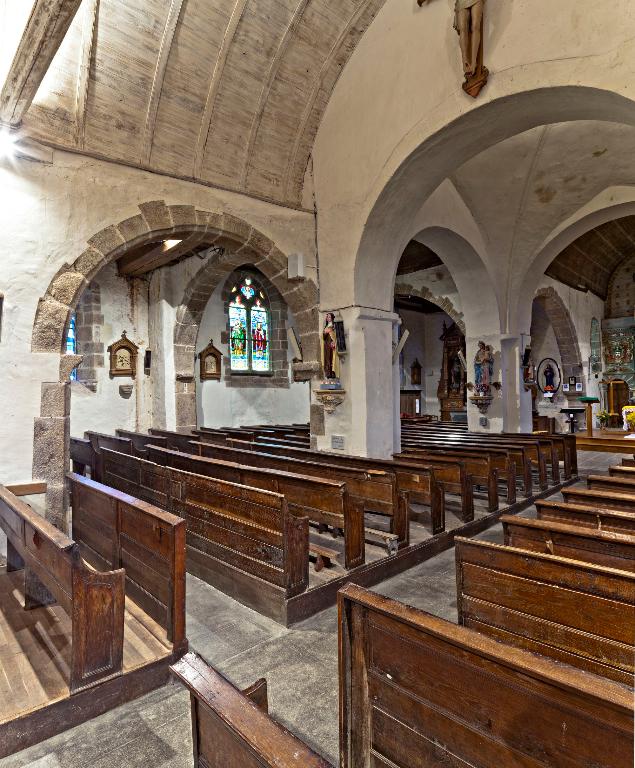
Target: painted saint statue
column 483, row 368
column 330, row 359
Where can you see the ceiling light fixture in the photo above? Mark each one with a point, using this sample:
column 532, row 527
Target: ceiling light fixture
column 169, row 244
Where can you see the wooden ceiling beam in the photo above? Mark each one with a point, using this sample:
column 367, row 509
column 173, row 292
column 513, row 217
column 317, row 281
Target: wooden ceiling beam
column 45, row 30
column 136, row 265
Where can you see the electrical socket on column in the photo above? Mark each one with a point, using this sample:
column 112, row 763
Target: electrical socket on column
column 482, row 422
column 338, row 442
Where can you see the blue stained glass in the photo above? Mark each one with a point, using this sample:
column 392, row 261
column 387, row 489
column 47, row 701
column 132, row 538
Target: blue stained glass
column 239, row 353
column 259, row 339
column 248, row 291
column 71, row 343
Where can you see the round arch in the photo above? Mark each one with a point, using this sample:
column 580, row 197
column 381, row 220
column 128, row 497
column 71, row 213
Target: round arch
column 566, row 335
column 414, row 173
column 156, row 220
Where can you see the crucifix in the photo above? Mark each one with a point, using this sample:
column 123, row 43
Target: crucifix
column 468, row 22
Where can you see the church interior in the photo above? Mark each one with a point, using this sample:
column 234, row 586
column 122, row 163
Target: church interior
column 317, row 329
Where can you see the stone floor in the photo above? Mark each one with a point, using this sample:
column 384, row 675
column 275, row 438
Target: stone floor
column 300, row 665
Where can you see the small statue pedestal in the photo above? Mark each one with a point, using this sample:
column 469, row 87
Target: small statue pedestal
column 482, row 402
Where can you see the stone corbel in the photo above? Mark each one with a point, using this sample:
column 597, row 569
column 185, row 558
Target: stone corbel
column 330, row 398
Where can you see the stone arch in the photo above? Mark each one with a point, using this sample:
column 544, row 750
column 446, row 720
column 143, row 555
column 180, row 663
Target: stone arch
column 564, row 329
column 422, row 160
column 403, row 289
column 156, row 220
column 301, row 298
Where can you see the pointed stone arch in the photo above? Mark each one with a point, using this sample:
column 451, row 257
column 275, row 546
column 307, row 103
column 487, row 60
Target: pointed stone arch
column 404, row 289
column 241, row 244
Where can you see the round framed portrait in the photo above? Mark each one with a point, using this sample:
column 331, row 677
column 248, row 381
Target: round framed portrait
column 548, row 377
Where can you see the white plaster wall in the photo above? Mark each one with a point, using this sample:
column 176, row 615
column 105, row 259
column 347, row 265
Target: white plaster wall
column 528, row 45
column 124, row 306
column 47, row 213
column 219, row 405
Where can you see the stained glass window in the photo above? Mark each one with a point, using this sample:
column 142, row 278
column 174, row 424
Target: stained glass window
column 71, row 343
column 249, row 329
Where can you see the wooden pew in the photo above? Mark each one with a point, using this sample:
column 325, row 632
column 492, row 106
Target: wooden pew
column 574, row 612
column 612, row 483
column 82, row 455
column 486, row 468
column 587, row 516
column 422, row 483
column 176, row 441
column 115, row 530
column 375, row 490
column 54, row 572
column 622, row 470
column 628, row 462
column 612, row 550
column 599, row 498
column 416, row 691
column 141, row 441
column 98, row 441
column 518, row 457
column 243, row 540
column 321, row 500
column 231, row 729
column 529, row 453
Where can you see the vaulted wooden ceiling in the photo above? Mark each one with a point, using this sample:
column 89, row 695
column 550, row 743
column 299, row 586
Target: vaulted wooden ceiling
column 227, row 92
column 590, row 261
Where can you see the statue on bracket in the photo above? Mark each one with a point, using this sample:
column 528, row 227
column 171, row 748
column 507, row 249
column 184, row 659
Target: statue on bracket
column 330, row 355
column 468, row 22
column 123, row 357
column 210, row 363
column 483, row 375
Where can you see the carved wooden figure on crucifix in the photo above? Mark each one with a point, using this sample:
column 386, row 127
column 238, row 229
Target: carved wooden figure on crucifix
column 468, row 22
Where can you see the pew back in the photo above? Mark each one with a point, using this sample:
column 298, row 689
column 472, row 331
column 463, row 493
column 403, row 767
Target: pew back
column 416, row 690
column 574, row 612
column 230, row 730
column 587, row 516
column 612, row 550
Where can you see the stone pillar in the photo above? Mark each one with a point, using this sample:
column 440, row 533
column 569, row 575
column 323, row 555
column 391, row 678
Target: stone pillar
column 510, row 410
column 365, row 420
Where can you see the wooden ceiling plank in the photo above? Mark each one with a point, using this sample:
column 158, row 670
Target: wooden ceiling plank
column 174, row 14
column 45, row 30
column 89, row 31
column 214, row 86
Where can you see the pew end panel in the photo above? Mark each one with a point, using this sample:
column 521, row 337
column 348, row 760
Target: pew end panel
column 416, row 690
column 231, row 729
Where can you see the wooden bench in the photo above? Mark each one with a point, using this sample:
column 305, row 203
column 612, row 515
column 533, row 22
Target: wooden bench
column 575, row 612
column 612, row 550
column 526, row 455
column 242, row 540
column 516, row 469
column 587, row 516
column 54, row 572
column 612, row 483
column 622, row 470
column 628, row 462
column 90, row 633
column 416, row 691
column 82, row 455
column 322, row 556
column 422, row 483
column 141, row 441
column 321, row 500
column 231, row 729
column 602, row 499
column 376, row 491
column 115, row 530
